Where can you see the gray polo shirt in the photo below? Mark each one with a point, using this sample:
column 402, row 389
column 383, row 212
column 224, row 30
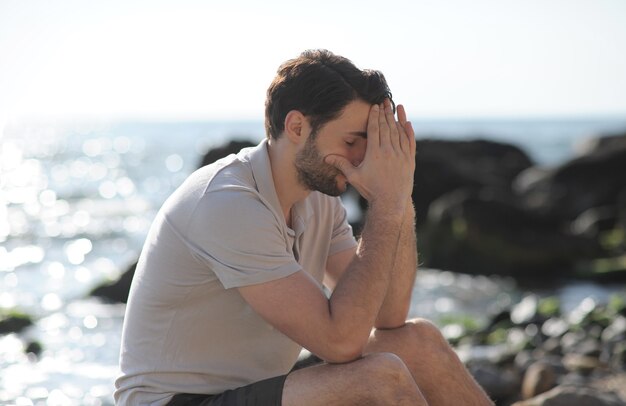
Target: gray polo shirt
column 186, row 329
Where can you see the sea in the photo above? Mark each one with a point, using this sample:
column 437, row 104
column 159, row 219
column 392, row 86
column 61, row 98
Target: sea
column 77, row 199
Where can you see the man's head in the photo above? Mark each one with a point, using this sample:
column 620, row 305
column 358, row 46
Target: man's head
column 319, row 84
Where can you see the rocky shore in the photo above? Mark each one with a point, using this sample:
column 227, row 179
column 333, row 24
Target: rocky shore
column 533, row 354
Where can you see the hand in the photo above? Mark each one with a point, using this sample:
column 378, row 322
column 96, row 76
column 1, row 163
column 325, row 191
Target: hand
column 385, row 176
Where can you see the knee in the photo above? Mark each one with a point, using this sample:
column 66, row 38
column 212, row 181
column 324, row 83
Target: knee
column 386, row 377
column 426, row 336
column 386, row 368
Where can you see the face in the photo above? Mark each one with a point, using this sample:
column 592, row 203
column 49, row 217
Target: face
column 345, row 136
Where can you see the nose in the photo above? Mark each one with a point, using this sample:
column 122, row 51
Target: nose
column 358, row 153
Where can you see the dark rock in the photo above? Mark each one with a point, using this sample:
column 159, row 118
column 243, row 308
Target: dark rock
column 498, row 383
column 592, row 180
column 117, row 291
column 572, row 395
column 14, row 322
column 488, row 232
column 442, row 166
column 540, row 377
column 33, row 347
column 220, row 152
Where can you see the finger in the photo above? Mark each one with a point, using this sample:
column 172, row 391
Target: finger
column 408, row 127
column 401, row 114
column 393, row 127
column 342, row 164
column 383, row 126
column 373, row 128
column 403, row 137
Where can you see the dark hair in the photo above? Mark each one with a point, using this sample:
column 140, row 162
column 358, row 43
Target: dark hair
column 319, row 84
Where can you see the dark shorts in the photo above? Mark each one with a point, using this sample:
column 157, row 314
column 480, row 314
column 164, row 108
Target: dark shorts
column 263, row 393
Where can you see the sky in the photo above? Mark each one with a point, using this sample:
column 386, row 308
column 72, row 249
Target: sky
column 210, row 60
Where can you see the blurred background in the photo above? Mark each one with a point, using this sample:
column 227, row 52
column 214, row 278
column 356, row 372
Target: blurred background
column 520, row 113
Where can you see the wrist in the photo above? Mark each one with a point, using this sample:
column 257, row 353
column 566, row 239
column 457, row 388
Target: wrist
column 392, row 210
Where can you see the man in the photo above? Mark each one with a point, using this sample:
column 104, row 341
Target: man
column 228, row 288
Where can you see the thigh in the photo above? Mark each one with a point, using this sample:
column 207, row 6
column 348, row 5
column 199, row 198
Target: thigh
column 263, row 393
column 373, row 379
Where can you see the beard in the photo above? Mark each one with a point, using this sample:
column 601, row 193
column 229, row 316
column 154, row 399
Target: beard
column 314, row 173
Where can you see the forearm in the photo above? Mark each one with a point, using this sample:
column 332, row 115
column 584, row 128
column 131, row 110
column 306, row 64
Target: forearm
column 395, row 308
column 357, row 299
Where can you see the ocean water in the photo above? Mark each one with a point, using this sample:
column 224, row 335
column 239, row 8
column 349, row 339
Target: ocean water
column 76, row 201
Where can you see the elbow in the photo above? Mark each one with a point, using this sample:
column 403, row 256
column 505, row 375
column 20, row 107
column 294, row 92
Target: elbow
column 344, row 350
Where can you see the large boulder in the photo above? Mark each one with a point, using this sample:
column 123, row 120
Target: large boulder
column 489, row 232
column 442, row 166
column 596, row 179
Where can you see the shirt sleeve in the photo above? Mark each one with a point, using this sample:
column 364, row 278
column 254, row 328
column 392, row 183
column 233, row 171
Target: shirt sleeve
column 240, row 238
column 342, row 237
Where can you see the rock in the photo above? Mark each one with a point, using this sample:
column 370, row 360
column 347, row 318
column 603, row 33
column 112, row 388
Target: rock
column 442, row 166
column 616, row 331
column 592, row 180
column 612, row 383
column 589, row 347
column 583, row 364
column 524, row 359
column 14, row 322
column 539, row 378
column 595, row 220
column 222, row 151
column 571, row 339
column 489, row 232
column 116, row 292
column 554, row 327
column 573, row 396
column 498, row 383
column 552, row 346
column 33, row 347
column 618, row 356
column 600, row 144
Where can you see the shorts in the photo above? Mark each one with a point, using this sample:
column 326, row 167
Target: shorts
column 268, row 392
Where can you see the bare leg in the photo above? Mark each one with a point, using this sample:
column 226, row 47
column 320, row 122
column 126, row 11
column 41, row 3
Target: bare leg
column 435, row 367
column 377, row 379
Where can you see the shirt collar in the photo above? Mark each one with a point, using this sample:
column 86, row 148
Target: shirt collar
column 262, row 173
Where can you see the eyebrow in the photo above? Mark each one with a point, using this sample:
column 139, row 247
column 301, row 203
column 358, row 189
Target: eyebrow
column 361, row 134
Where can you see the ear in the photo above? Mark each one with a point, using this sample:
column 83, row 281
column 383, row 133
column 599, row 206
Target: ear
column 296, row 126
